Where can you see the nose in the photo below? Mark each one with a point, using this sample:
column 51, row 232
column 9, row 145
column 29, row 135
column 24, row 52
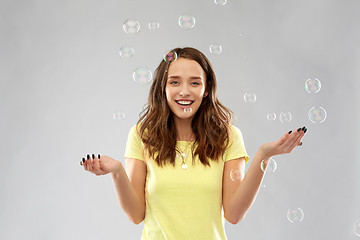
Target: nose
column 184, row 92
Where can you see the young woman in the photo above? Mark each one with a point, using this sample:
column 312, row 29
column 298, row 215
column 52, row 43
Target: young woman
column 184, row 160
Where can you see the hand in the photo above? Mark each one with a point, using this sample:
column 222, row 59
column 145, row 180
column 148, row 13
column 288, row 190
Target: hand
column 284, row 145
column 100, row 165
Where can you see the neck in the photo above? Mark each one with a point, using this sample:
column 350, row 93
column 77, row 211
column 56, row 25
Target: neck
column 183, row 130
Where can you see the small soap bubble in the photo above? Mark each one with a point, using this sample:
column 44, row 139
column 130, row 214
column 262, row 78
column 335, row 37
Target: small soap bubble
column 131, row 26
column 126, row 52
column 119, row 115
column 170, row 56
column 268, row 165
column 154, row 25
column 215, row 48
column 249, row 97
column 295, row 215
column 271, row 116
column 187, row 21
column 142, row 75
column 188, row 110
column 220, row 2
column 235, row 175
column 312, row 85
column 285, row 117
column 317, row 114
column 356, row 228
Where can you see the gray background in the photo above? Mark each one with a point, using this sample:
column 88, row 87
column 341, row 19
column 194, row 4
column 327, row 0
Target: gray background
column 62, row 79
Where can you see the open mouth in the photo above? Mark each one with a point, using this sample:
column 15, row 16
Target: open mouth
column 184, row 103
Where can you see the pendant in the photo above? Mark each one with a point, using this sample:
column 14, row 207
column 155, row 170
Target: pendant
column 184, row 166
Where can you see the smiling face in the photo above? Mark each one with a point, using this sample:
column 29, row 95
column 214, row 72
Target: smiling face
column 185, row 87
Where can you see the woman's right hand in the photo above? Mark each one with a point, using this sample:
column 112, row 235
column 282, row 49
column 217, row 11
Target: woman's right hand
column 100, row 165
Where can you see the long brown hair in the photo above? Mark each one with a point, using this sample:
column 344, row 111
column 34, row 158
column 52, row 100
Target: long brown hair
column 211, row 123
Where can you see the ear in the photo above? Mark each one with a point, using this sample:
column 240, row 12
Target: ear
column 205, row 94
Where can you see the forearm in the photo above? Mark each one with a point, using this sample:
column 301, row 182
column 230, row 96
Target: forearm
column 245, row 194
column 127, row 197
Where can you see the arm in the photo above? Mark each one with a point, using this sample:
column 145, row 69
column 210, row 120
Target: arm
column 241, row 200
column 245, row 194
column 128, row 198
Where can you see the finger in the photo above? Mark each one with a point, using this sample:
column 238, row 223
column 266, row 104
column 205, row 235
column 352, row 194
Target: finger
column 96, row 164
column 299, row 134
column 89, row 163
column 284, row 137
column 86, row 165
column 82, row 162
column 289, row 140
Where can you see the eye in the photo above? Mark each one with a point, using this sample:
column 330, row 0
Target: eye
column 174, row 82
column 196, row 83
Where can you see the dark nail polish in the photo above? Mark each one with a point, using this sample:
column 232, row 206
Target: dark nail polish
column 303, row 128
column 83, row 160
column 88, row 157
column 290, row 132
column 93, row 156
column 299, row 129
column 98, row 156
column 300, row 143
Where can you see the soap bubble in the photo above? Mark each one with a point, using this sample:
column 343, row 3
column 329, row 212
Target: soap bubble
column 170, row 56
column 131, row 26
column 317, row 114
column 181, row 155
column 268, row 165
column 249, row 97
column 119, row 115
column 126, row 52
column 295, row 215
column 235, row 175
column 154, row 25
column 285, row 117
column 187, row 21
column 271, row 116
column 215, row 48
column 357, row 228
column 142, row 75
column 220, row 2
column 188, row 110
column 312, row 85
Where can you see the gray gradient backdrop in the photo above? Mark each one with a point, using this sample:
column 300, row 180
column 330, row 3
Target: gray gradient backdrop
column 62, row 79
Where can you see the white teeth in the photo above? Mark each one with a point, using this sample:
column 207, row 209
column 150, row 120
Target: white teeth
column 184, row 102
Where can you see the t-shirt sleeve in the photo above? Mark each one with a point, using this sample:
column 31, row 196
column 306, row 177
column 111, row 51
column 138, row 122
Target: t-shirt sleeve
column 236, row 148
column 134, row 145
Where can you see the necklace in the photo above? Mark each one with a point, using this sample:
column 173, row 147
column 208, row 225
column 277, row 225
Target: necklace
column 183, row 156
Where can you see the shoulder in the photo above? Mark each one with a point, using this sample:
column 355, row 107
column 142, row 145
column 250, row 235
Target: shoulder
column 234, row 131
column 135, row 129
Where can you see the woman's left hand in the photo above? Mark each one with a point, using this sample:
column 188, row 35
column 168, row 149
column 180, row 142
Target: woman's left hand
column 285, row 144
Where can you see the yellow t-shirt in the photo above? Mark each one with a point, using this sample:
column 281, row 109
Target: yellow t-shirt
column 184, row 204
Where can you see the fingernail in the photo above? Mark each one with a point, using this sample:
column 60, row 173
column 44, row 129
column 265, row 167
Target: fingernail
column 300, row 143
column 83, row 160
column 88, row 157
column 98, row 156
column 290, row 132
column 303, row 128
column 93, row 156
column 299, row 129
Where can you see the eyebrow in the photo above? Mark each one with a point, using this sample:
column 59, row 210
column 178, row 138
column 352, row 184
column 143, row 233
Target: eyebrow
column 178, row 77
